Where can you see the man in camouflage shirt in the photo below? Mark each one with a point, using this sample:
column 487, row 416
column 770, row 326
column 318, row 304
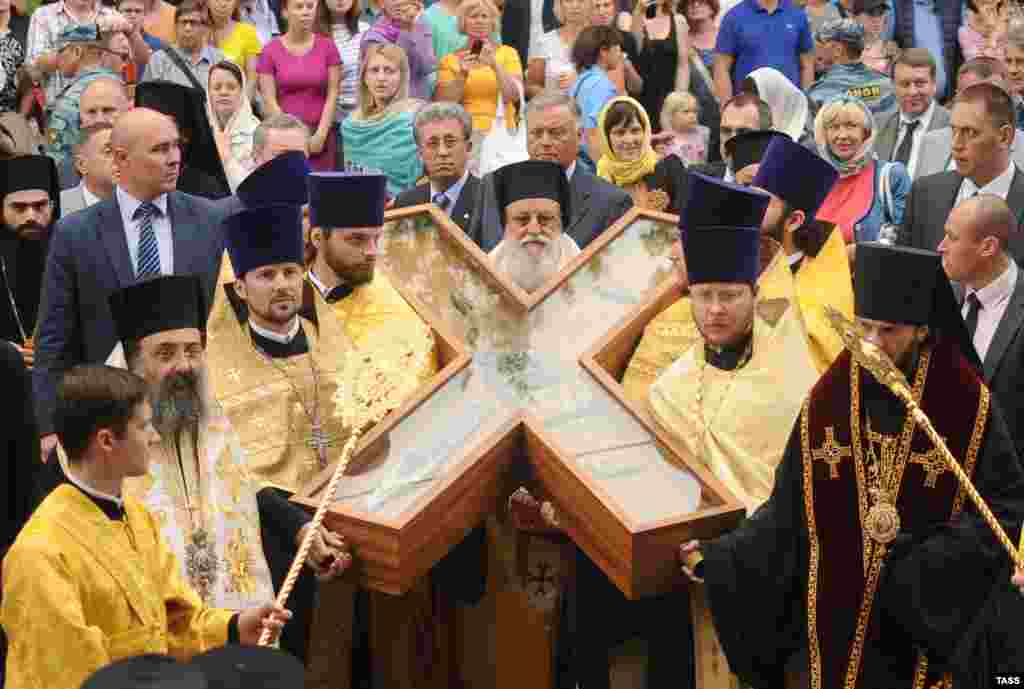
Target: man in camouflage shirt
column 83, row 57
column 848, row 75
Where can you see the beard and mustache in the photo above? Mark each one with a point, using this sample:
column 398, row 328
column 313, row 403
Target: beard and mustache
column 526, row 270
column 179, row 402
column 28, row 232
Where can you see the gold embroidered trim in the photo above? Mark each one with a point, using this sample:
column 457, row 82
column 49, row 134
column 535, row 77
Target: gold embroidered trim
column 879, row 550
column 813, row 650
column 980, row 422
column 858, row 462
column 921, row 671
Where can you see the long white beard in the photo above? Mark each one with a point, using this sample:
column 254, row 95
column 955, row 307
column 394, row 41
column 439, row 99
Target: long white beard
column 530, row 272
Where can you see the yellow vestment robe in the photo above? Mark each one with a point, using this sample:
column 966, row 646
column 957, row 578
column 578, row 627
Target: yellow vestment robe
column 82, row 590
column 749, row 411
column 823, row 280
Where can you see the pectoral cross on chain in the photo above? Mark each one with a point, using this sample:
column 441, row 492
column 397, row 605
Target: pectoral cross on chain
column 320, row 441
column 933, row 462
column 831, row 452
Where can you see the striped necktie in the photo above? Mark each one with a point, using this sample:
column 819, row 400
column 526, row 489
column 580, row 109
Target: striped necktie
column 148, row 263
column 441, row 201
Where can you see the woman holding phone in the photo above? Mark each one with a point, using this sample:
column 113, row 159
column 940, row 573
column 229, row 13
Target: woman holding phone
column 664, row 39
column 475, row 75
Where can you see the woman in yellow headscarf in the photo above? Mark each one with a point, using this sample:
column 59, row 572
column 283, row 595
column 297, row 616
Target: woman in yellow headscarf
column 628, row 159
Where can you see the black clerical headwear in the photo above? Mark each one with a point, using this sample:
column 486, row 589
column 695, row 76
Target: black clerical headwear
column 26, row 173
column 532, row 179
column 264, row 236
column 795, row 174
column 721, row 231
column 281, row 179
column 748, row 148
column 187, row 106
column 147, row 672
column 346, row 199
column 249, row 667
column 898, row 284
column 169, row 302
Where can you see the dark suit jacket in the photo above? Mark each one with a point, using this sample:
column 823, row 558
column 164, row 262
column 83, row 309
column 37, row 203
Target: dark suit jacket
column 88, row 260
column 715, row 169
column 463, row 211
column 595, row 207
column 933, row 197
column 1004, row 364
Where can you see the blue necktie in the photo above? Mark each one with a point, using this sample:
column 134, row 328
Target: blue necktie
column 338, row 293
column 148, row 263
column 441, row 201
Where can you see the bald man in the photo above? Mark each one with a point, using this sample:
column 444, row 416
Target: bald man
column 102, row 101
column 146, row 229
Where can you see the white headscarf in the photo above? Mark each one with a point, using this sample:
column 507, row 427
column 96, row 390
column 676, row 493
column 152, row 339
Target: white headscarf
column 240, row 129
column 787, row 103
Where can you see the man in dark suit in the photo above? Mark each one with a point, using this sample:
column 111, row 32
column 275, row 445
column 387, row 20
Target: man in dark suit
column 442, row 132
column 992, row 286
column 983, row 123
column 901, row 134
column 553, row 134
column 147, row 229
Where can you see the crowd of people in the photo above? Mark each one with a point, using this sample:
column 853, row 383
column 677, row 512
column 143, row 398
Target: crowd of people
column 193, row 202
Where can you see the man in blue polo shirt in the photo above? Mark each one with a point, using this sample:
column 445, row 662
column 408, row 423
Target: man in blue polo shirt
column 763, row 33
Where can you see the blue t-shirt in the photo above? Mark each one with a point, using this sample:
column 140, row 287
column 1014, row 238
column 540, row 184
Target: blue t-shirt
column 591, row 91
column 757, row 39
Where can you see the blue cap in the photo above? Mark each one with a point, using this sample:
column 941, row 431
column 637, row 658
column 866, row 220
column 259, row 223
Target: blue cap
column 78, row 33
column 796, row 175
column 257, row 237
column 346, row 199
column 721, row 231
column 281, row 179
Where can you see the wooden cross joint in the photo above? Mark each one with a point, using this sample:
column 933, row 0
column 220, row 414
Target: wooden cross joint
column 831, row 452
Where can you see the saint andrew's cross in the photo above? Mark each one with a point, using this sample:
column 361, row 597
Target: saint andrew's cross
column 516, row 384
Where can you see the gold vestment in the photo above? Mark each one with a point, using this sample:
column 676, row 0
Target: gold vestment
column 825, row 280
column 82, row 590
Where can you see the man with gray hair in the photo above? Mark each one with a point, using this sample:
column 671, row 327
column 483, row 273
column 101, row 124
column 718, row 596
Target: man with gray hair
column 442, row 132
column 553, row 134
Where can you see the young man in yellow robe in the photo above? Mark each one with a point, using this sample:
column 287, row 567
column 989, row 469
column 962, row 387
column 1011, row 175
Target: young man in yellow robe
column 90, row 580
column 798, row 181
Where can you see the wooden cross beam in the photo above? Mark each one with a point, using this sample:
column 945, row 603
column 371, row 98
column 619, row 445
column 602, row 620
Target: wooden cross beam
column 515, row 387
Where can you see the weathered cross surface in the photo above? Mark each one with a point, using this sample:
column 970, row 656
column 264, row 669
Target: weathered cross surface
column 832, row 453
column 626, row 496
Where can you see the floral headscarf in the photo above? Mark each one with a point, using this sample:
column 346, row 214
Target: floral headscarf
column 828, row 112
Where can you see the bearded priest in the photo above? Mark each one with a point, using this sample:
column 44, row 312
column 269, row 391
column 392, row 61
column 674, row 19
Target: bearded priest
column 869, row 566
column 534, row 199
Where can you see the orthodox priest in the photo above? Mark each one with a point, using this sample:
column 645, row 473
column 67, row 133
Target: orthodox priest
column 798, row 181
column 198, row 486
column 89, row 579
column 673, row 331
column 723, row 399
column 849, row 564
column 31, row 203
column 275, row 375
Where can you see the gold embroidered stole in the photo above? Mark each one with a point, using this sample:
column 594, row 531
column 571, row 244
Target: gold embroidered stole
column 844, row 562
column 272, row 403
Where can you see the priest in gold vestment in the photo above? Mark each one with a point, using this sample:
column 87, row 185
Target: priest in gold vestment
column 402, row 641
column 90, row 579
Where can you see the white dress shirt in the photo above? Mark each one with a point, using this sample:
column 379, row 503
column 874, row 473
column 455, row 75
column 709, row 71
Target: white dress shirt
column 90, row 198
column 994, row 298
column 925, row 121
column 1000, row 186
column 132, row 228
column 570, row 171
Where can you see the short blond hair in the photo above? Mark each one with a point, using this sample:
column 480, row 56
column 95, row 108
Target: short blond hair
column 467, row 6
column 833, row 111
column 674, row 102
